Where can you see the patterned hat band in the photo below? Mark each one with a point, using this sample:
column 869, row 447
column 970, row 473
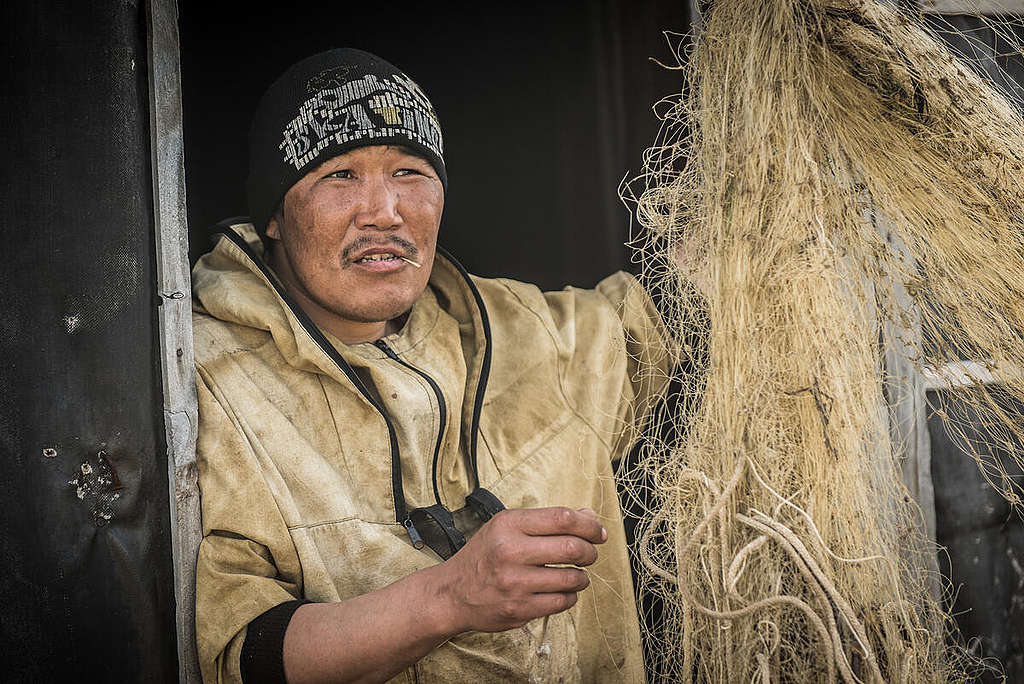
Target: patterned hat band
column 328, row 104
column 362, row 110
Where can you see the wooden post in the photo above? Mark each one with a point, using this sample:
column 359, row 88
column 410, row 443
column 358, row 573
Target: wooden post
column 905, row 390
column 175, row 320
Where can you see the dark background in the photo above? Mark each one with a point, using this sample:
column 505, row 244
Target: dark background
column 983, row 539
column 545, row 107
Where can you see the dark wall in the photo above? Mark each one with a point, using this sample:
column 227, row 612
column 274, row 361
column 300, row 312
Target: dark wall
column 983, row 539
column 84, row 538
column 545, row 107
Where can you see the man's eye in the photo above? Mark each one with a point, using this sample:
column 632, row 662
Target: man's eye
column 340, row 173
column 407, row 172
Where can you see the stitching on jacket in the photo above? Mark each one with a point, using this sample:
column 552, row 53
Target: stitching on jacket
column 494, row 461
column 325, row 523
column 552, row 434
column 558, row 363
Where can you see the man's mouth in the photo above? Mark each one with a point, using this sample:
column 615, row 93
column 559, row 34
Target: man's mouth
column 378, row 257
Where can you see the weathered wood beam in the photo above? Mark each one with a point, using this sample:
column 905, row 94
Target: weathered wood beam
column 175, row 320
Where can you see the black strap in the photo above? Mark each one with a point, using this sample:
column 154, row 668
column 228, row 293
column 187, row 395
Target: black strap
column 262, row 657
column 397, row 488
column 485, row 363
column 485, row 504
column 444, row 519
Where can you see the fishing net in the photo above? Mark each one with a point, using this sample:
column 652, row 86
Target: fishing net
column 833, row 209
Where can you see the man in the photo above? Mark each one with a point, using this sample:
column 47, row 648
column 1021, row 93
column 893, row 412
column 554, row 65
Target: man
column 403, row 467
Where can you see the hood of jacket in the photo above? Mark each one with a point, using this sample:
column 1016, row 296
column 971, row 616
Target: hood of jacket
column 232, row 283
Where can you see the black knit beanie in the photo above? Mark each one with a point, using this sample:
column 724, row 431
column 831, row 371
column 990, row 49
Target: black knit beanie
column 324, row 105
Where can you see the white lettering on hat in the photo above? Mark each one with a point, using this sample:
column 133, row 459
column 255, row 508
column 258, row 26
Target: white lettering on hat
column 361, row 109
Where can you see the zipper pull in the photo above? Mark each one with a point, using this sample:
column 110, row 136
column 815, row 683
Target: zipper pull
column 414, row 536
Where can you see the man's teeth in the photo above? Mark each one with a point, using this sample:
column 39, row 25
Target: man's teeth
column 378, row 257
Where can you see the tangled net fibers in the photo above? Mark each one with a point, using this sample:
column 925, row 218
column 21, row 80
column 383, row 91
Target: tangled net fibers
column 838, row 175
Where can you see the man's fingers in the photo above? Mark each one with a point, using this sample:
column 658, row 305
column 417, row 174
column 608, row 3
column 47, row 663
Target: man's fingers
column 540, row 605
column 557, row 550
column 554, row 580
column 557, row 521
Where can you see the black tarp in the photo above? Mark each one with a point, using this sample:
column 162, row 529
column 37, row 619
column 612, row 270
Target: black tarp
column 87, row 593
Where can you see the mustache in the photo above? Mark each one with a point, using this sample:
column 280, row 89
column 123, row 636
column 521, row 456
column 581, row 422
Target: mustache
column 365, row 241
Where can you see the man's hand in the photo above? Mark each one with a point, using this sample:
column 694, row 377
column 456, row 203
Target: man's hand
column 502, row 578
column 499, row 580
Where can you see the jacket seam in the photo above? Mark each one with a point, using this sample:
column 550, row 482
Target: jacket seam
column 337, row 428
column 325, row 523
column 559, row 364
column 426, row 333
column 494, row 461
column 536, row 450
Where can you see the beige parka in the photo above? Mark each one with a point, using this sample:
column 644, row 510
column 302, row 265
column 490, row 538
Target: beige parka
column 295, row 463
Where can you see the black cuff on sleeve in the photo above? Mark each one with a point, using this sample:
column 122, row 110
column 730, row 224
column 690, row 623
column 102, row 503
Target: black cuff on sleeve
column 262, row 659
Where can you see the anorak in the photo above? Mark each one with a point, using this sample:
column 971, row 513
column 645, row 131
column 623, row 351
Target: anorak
column 295, row 464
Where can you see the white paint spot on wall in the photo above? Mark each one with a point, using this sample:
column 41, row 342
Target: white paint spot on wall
column 72, row 323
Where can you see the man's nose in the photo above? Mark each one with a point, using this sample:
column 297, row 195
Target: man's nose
column 379, row 208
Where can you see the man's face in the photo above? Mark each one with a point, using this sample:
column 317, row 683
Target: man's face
column 344, row 226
